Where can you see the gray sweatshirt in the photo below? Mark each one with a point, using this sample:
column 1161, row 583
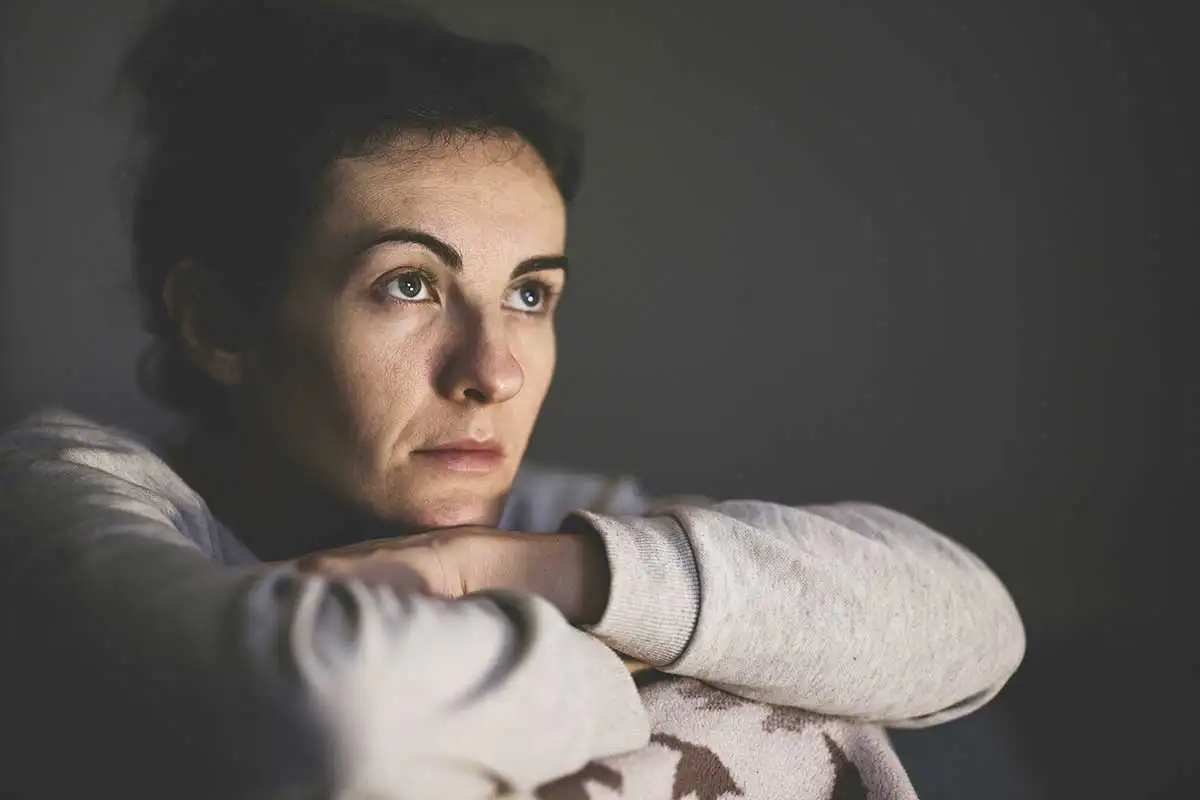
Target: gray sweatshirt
column 785, row 639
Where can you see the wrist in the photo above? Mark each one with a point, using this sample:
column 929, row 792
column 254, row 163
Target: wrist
column 576, row 574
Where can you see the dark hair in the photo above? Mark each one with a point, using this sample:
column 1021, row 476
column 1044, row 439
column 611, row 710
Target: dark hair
column 242, row 106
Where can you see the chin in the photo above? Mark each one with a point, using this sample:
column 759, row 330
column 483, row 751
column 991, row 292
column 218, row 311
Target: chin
column 454, row 508
column 426, row 498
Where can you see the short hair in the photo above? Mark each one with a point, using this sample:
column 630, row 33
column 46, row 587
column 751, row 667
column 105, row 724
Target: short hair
column 243, row 105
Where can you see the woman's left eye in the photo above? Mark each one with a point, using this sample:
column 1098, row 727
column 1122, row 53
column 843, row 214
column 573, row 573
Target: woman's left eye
column 531, row 297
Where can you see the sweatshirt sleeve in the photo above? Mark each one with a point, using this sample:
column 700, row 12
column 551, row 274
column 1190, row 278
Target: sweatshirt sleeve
column 848, row 610
column 135, row 647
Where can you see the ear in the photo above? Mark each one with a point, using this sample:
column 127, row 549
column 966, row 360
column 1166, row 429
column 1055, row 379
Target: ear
column 209, row 321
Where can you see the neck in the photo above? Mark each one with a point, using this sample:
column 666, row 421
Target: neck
column 276, row 511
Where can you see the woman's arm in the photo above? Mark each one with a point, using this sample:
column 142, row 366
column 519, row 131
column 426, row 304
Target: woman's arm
column 849, row 610
column 143, row 656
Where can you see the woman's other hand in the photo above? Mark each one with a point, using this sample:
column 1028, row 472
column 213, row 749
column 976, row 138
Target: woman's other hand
column 569, row 569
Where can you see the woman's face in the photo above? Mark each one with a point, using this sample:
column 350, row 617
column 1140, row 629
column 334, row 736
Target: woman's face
column 419, row 312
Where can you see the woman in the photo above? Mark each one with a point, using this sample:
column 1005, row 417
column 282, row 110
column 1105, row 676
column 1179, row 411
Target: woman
column 349, row 233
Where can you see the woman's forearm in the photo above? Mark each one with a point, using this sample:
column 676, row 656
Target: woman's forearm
column 848, row 610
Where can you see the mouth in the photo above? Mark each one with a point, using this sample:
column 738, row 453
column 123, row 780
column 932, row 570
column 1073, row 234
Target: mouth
column 463, row 455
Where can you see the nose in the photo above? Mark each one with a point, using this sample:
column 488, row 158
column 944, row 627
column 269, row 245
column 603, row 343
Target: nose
column 481, row 367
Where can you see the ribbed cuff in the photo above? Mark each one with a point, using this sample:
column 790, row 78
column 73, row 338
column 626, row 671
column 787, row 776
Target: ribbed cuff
column 654, row 600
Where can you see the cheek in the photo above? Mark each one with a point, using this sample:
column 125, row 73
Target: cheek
column 384, row 370
column 293, row 368
column 538, row 354
column 343, row 382
column 296, row 398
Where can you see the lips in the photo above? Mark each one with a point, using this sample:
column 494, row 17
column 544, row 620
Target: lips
column 462, row 455
column 466, row 445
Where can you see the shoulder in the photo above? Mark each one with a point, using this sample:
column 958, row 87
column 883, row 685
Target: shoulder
column 55, row 441
column 60, row 435
column 57, row 458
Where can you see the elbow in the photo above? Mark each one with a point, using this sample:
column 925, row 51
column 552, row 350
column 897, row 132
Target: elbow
column 998, row 653
column 1010, row 641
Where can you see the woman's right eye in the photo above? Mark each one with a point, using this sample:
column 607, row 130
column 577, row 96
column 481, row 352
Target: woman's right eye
column 410, row 287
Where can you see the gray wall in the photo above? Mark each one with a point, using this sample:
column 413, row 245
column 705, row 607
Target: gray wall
column 922, row 254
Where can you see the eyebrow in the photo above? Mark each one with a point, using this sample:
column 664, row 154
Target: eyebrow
column 450, row 256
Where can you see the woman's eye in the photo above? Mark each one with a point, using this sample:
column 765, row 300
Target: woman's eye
column 411, row 286
column 531, row 296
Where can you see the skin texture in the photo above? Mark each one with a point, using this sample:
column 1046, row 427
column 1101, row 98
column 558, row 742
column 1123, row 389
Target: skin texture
column 381, row 348
column 568, row 569
column 358, row 378
column 366, row 361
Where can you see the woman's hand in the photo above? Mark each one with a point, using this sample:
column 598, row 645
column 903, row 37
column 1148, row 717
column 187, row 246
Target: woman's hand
column 568, row 569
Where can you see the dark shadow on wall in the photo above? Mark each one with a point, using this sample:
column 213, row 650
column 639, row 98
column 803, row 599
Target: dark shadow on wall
column 1103, row 721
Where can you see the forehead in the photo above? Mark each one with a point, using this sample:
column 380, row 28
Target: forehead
column 477, row 193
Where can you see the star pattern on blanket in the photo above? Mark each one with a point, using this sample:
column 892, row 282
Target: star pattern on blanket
column 700, row 772
column 847, row 780
column 574, row 787
column 709, row 698
column 779, row 718
column 782, row 718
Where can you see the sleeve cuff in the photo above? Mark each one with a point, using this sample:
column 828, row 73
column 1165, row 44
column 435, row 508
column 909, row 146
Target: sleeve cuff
column 654, row 601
